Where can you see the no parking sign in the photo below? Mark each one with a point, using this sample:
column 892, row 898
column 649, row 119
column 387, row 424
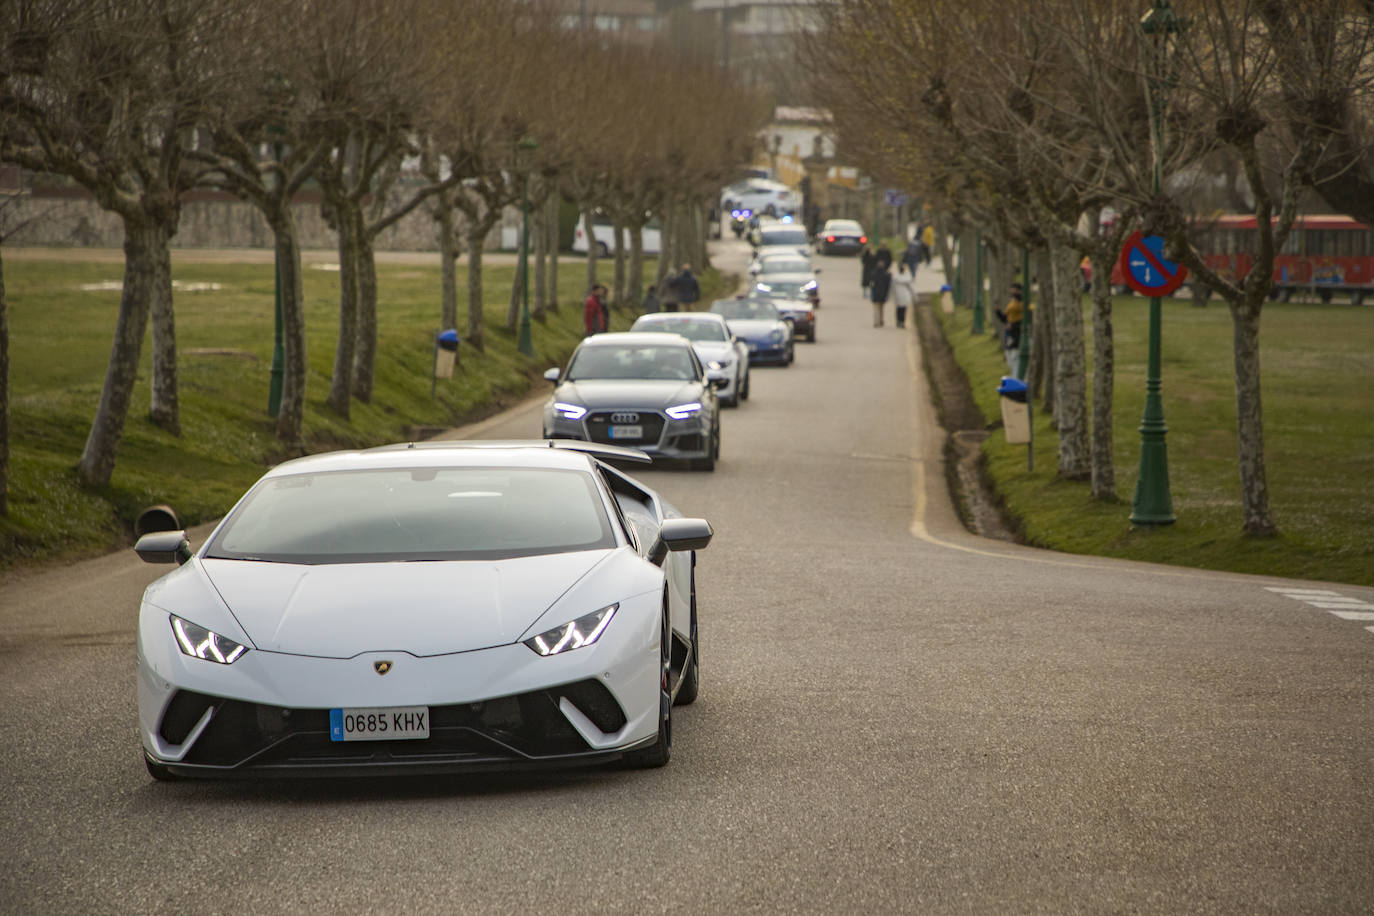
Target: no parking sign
column 1145, row 269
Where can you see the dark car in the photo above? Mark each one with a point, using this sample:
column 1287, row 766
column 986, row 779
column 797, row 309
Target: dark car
column 841, row 236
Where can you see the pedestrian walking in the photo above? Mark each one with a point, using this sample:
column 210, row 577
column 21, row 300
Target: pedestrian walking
column 866, row 269
column 903, row 292
column 883, row 256
column 596, row 317
column 688, row 289
column 912, row 256
column 879, row 286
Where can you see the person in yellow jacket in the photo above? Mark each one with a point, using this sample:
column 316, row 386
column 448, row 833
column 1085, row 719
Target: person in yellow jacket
column 1012, row 316
column 928, row 239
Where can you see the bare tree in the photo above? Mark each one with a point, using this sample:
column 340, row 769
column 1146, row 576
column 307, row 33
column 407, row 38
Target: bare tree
column 109, row 94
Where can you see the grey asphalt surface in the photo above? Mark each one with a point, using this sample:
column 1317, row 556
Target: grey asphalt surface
column 895, row 717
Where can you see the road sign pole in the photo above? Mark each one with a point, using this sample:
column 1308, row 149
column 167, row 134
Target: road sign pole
column 1153, row 504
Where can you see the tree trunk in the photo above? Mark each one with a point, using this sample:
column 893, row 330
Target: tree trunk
column 665, row 246
column 341, row 382
column 943, row 250
column 4, row 396
column 1070, row 373
column 553, row 245
column 448, row 267
column 365, row 353
column 589, row 221
column 164, row 409
column 1104, row 371
column 636, row 278
column 1254, row 485
column 541, row 253
column 476, row 336
column 1042, row 338
column 291, row 418
column 98, row 458
column 621, row 256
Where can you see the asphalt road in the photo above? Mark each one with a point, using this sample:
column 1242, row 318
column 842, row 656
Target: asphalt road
column 895, row 717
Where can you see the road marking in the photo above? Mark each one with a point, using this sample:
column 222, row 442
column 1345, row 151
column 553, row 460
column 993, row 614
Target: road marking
column 1334, row 603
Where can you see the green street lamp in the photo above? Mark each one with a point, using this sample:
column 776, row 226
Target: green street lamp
column 1152, row 504
column 524, row 153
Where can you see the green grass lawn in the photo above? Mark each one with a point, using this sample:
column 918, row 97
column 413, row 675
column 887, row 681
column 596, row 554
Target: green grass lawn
column 1318, row 395
column 62, row 317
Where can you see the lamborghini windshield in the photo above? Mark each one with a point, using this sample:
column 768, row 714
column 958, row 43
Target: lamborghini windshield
column 416, row 514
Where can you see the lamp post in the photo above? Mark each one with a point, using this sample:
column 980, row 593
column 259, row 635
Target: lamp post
column 524, row 152
column 1152, row 504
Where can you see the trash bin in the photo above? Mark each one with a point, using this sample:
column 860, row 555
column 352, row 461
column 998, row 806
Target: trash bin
column 1015, row 410
column 947, row 299
column 156, row 518
column 445, row 353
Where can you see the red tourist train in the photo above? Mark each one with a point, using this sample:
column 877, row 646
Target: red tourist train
column 1326, row 255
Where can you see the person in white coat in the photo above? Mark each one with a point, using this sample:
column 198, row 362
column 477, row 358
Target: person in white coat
column 903, row 292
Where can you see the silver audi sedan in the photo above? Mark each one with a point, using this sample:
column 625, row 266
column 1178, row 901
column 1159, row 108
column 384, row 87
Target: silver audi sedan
column 645, row 390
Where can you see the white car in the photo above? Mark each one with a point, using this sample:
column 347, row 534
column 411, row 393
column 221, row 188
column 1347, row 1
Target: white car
column 724, row 355
column 760, row 196
column 420, row 608
column 651, row 236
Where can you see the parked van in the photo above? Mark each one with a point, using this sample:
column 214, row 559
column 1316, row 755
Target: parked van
column 605, row 236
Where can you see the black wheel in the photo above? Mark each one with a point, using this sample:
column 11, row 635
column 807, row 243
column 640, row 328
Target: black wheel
column 744, row 392
column 691, row 678
column 791, row 355
column 811, row 338
column 712, row 452
column 162, row 774
column 659, row 753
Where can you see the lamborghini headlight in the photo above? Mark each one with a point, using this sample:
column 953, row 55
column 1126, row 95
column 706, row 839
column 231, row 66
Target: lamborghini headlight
column 581, row 632
column 198, row 642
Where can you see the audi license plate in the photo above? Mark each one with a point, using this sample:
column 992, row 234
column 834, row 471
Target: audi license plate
column 388, row 723
column 627, row 432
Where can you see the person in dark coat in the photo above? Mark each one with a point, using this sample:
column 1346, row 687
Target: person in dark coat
column 866, row 269
column 883, row 256
column 879, row 287
column 688, row 289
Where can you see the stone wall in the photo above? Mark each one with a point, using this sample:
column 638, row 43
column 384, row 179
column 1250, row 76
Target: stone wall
column 209, row 219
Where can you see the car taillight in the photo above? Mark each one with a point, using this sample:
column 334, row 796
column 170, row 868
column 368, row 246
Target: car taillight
column 863, row 240
column 830, row 238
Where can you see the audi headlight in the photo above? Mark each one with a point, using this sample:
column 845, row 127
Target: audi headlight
column 198, row 642
column 573, row 635
column 718, row 364
column 569, row 411
column 683, row 411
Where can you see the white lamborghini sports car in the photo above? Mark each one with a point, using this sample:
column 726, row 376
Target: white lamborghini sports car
column 423, row 608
